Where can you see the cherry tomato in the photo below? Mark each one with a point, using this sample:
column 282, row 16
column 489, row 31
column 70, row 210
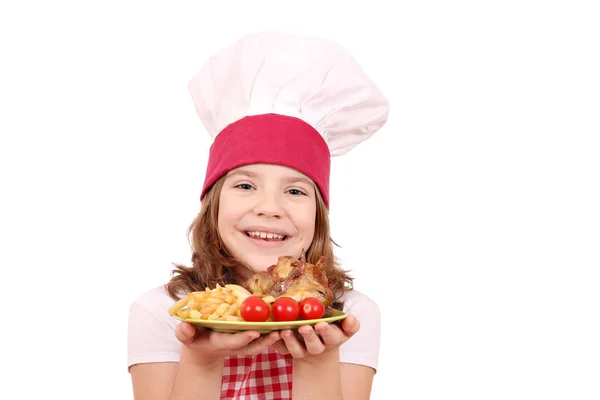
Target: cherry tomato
column 254, row 309
column 286, row 309
column 311, row 308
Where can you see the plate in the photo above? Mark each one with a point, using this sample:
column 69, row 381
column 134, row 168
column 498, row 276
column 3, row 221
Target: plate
column 262, row 327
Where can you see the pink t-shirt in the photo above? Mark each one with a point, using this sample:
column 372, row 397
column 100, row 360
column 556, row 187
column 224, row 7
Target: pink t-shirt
column 151, row 338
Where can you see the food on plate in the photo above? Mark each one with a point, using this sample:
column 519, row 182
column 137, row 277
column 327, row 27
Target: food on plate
column 290, row 290
column 286, row 309
column 260, row 283
column 219, row 304
column 293, row 278
column 311, row 308
column 255, row 309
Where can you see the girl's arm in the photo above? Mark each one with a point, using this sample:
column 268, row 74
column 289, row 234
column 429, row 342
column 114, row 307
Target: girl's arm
column 311, row 381
column 318, row 377
column 198, row 381
column 198, row 373
column 170, row 381
column 357, row 381
column 318, row 373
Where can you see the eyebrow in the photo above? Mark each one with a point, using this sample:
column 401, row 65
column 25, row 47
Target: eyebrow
column 294, row 179
column 242, row 172
column 289, row 179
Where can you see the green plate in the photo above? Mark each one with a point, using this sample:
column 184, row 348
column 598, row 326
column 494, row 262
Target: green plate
column 262, row 327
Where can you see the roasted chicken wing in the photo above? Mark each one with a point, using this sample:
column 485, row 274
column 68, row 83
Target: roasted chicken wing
column 260, row 283
column 294, row 278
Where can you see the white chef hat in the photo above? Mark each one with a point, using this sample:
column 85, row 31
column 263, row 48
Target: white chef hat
column 284, row 99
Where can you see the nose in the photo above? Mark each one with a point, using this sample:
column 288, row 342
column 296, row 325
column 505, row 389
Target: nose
column 268, row 204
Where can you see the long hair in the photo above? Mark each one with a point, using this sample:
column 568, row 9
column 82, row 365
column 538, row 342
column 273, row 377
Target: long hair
column 212, row 263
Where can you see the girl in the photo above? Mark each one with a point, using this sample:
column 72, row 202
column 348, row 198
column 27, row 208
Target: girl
column 277, row 106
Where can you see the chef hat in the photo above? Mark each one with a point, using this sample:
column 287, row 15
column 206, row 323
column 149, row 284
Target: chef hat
column 284, row 99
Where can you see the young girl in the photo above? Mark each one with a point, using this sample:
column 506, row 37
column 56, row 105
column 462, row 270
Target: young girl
column 277, row 106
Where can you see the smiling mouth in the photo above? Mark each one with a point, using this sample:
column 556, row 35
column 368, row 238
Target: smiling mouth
column 267, row 236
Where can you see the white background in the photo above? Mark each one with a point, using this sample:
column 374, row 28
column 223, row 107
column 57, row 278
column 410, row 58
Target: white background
column 472, row 218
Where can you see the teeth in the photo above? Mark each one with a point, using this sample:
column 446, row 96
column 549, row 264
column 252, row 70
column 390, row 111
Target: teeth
column 265, row 235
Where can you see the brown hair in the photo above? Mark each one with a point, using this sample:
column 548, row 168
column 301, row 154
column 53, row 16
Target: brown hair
column 212, row 263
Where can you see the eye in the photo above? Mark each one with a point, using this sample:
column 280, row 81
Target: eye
column 296, row 192
column 244, row 186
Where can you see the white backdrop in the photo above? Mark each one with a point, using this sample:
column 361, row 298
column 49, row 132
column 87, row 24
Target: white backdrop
column 472, row 218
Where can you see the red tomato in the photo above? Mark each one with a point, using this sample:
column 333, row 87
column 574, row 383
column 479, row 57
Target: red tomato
column 286, row 309
column 254, row 309
column 311, row 308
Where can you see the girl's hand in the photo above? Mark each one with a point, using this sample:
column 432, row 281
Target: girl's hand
column 318, row 340
column 205, row 347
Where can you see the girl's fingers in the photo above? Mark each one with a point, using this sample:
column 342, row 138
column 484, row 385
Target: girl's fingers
column 242, row 339
column 280, row 346
column 311, row 340
column 295, row 348
column 350, row 325
column 307, row 340
column 186, row 332
column 228, row 341
column 263, row 343
column 334, row 336
column 331, row 334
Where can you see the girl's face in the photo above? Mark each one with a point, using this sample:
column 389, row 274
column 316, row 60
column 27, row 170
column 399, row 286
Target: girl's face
column 266, row 211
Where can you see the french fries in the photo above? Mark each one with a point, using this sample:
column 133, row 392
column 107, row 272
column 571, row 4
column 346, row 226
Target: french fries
column 219, row 304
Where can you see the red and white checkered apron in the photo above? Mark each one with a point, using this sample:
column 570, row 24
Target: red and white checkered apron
column 265, row 376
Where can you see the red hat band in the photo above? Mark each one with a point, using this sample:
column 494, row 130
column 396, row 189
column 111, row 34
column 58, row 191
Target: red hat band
column 270, row 139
